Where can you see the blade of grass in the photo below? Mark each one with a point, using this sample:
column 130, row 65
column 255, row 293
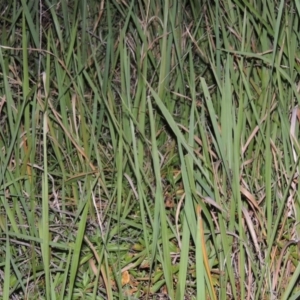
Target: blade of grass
column 7, row 273
column 161, row 224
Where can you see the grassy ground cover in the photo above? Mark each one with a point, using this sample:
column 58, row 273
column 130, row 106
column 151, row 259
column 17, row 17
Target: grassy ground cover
column 149, row 149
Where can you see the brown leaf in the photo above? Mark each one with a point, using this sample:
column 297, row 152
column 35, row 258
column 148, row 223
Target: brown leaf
column 125, row 278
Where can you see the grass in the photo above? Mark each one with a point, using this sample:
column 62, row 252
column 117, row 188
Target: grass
column 149, row 150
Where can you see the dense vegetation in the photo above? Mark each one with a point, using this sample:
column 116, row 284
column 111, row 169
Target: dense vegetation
column 149, row 149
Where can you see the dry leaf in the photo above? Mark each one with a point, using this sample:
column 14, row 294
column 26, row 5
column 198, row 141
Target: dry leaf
column 125, row 278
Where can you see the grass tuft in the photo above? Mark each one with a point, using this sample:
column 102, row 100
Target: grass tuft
column 149, row 150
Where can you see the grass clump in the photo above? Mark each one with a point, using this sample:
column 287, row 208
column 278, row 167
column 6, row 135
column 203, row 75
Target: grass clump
column 149, row 150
